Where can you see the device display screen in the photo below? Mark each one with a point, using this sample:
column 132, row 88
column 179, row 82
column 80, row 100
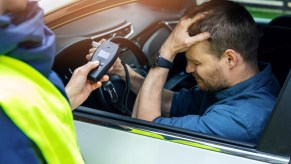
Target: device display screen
column 104, row 54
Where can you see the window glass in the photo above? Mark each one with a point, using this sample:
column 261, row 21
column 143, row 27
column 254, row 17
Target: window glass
column 266, row 9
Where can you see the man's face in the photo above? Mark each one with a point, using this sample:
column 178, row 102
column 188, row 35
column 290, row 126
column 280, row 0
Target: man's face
column 206, row 68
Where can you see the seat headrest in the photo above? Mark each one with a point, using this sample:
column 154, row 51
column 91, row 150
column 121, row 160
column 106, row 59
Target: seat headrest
column 275, row 48
column 281, row 21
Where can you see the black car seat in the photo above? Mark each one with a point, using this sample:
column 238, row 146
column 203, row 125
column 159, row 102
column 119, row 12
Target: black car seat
column 275, row 46
column 281, row 21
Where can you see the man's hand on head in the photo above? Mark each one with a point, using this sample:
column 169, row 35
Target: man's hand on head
column 180, row 40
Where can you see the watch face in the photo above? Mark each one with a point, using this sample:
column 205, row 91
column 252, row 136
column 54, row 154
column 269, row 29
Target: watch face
column 157, row 60
column 153, row 59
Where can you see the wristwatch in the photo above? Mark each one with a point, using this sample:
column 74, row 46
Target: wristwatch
column 158, row 60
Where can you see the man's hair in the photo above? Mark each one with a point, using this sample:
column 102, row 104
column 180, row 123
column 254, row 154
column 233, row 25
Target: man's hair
column 231, row 27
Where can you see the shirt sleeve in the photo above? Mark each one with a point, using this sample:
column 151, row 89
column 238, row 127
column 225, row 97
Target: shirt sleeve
column 219, row 121
column 186, row 102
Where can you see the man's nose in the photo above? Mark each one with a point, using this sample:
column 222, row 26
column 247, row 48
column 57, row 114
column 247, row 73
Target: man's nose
column 190, row 68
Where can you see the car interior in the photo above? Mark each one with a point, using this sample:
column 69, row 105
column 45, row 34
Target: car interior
column 140, row 28
column 138, row 40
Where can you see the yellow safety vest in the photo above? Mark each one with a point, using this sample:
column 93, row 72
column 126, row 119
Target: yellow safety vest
column 38, row 108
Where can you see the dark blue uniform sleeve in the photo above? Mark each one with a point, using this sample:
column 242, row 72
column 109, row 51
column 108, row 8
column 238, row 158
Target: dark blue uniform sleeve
column 56, row 80
column 16, row 147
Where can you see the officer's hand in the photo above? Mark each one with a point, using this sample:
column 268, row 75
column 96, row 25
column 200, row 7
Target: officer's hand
column 79, row 88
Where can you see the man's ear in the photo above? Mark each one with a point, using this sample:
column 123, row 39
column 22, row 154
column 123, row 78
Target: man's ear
column 231, row 57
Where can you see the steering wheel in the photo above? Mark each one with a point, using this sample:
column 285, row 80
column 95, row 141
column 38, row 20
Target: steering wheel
column 116, row 92
column 102, row 97
column 126, row 43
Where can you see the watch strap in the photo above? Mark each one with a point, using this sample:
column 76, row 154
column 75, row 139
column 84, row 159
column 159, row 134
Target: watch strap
column 162, row 62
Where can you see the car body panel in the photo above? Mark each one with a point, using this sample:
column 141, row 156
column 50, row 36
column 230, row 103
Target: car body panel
column 132, row 145
column 107, row 146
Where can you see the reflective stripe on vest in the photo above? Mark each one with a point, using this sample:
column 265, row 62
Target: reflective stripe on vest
column 38, row 108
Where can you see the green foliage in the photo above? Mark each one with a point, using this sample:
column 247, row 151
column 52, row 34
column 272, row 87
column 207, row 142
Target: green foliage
column 266, row 13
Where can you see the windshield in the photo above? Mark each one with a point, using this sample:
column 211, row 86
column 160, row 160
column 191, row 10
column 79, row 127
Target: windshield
column 51, row 5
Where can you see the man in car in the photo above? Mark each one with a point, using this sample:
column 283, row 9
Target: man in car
column 234, row 95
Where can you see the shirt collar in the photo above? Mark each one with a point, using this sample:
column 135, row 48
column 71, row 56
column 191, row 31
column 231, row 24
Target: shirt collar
column 259, row 79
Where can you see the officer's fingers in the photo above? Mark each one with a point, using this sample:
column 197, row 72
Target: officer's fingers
column 96, row 85
column 104, row 78
column 99, row 83
column 85, row 69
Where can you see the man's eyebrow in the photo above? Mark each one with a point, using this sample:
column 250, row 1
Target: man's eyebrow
column 190, row 59
column 187, row 58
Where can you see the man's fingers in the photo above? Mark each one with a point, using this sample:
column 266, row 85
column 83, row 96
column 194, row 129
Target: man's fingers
column 97, row 44
column 189, row 21
column 89, row 56
column 200, row 37
column 102, row 40
column 110, row 69
column 92, row 50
